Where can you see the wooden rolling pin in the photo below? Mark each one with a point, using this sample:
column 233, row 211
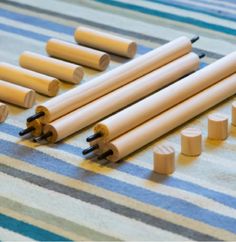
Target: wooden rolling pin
column 3, row 112
column 172, row 118
column 153, row 105
column 79, row 96
column 40, row 83
column 62, row 70
column 78, row 54
column 104, row 41
column 14, row 94
column 120, row 98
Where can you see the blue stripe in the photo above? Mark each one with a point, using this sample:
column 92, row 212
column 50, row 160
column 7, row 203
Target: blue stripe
column 28, row 230
column 174, row 17
column 218, row 4
column 172, row 204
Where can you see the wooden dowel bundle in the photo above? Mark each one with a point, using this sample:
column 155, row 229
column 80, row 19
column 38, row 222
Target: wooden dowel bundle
column 52, row 67
column 104, row 41
column 172, row 118
column 14, row 94
column 79, row 96
column 121, row 97
column 78, row 54
column 3, row 112
column 153, row 105
column 40, row 83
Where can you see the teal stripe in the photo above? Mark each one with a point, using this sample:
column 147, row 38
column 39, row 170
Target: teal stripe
column 28, row 230
column 170, row 16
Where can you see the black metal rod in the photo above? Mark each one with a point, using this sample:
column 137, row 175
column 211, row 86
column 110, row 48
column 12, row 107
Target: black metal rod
column 94, row 136
column 201, row 55
column 35, row 116
column 105, row 155
column 43, row 136
column 90, row 149
column 194, row 39
column 26, row 131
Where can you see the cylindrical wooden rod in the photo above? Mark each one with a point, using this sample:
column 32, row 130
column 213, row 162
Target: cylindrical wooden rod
column 20, row 96
column 153, row 105
column 130, row 93
column 78, row 54
column 62, row 70
column 104, row 41
column 40, row 83
column 113, row 79
column 172, row 118
column 3, row 112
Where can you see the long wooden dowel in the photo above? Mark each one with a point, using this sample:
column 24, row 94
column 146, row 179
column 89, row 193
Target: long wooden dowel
column 79, row 96
column 172, row 118
column 153, row 105
column 3, row 112
column 121, row 97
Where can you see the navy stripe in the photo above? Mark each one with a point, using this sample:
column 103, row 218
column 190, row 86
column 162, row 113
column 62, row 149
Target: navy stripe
column 169, row 16
column 28, row 230
column 176, row 205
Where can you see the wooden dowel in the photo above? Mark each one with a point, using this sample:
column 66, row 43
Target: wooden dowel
column 17, row 95
column 153, row 105
column 105, row 41
column 233, row 113
column 81, row 95
column 172, row 118
column 62, row 70
column 78, row 54
column 40, row 83
column 3, row 112
column 130, row 93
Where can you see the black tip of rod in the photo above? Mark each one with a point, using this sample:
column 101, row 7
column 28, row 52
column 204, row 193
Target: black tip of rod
column 94, row 136
column 43, row 136
column 201, row 55
column 35, row 116
column 90, row 149
column 194, row 39
column 105, row 155
column 26, row 131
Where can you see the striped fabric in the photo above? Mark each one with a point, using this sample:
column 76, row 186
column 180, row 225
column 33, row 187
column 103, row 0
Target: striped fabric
column 52, row 193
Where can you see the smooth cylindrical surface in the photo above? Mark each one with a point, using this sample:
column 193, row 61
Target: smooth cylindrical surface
column 191, row 141
column 164, row 159
column 50, row 66
column 104, row 41
column 217, row 126
column 113, row 79
column 20, row 96
column 78, row 54
column 38, row 127
column 40, row 83
column 234, row 113
column 130, row 93
column 172, row 118
column 153, row 105
column 3, row 112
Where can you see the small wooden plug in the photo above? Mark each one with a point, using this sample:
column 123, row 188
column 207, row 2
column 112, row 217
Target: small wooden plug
column 191, row 141
column 234, row 113
column 217, row 126
column 164, row 159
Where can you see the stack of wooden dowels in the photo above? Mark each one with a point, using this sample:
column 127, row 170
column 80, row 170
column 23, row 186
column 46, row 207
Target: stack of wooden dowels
column 96, row 99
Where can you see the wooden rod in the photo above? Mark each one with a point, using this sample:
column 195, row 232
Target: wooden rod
column 3, row 112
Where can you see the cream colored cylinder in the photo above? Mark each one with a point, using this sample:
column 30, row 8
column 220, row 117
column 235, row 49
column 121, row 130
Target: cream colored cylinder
column 164, row 159
column 122, row 97
column 3, row 112
column 172, row 118
column 153, row 105
column 217, row 126
column 14, row 94
column 191, row 141
column 62, row 70
column 104, row 41
column 78, row 54
column 234, row 113
column 113, row 79
column 40, row 83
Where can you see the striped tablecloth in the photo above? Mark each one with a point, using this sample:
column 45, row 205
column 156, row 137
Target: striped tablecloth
column 52, row 193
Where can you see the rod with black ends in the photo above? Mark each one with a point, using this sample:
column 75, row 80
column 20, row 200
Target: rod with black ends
column 90, row 149
column 35, row 116
column 194, row 39
column 105, row 155
column 201, row 55
column 43, row 136
column 26, row 131
column 94, row 136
